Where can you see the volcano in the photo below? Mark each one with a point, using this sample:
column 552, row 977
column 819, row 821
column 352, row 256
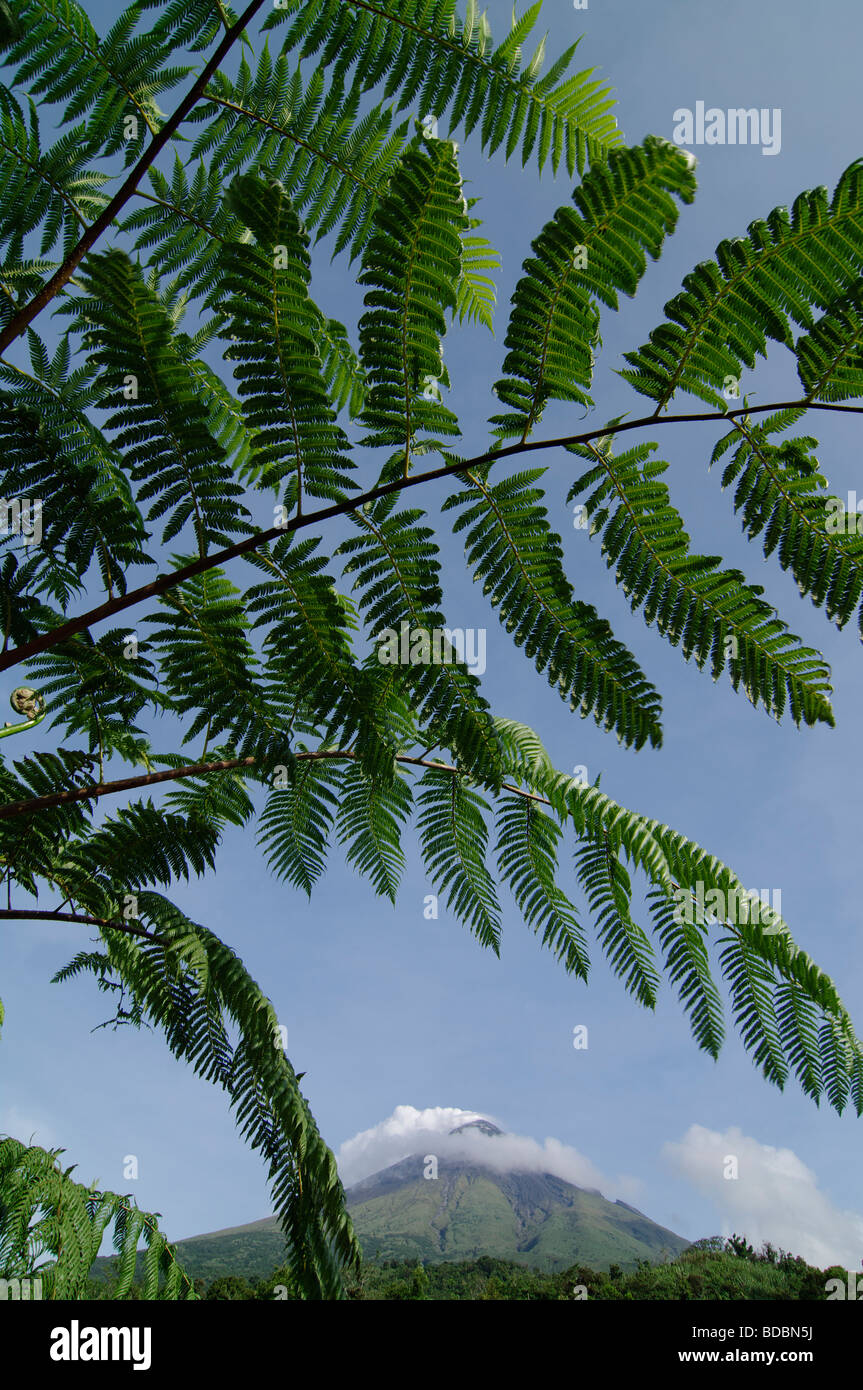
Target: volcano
column 459, row 1208
column 465, row 1204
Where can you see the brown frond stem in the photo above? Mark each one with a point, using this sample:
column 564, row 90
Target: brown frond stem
column 26, row 914
column 20, row 321
column 168, row 581
column 92, row 793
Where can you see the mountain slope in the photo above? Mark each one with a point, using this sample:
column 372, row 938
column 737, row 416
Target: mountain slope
column 465, row 1204
column 471, row 1210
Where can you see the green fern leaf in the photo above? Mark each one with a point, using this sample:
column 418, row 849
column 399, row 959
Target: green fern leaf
column 296, row 822
column 51, row 1230
column 756, row 288
column 781, row 492
column 411, row 265
column 476, row 294
column 520, row 562
column 527, row 857
column 166, row 434
column 454, row 841
column 369, row 823
column 424, row 54
column 688, row 966
column 397, row 571
column 624, row 210
column 830, row 358
column 608, row 889
column 713, row 614
column 272, row 327
column 751, row 980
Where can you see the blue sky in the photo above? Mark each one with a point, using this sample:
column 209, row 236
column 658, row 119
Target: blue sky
column 385, row 1008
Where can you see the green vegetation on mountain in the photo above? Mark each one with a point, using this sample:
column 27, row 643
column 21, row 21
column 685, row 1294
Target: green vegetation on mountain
column 529, row 1218
column 711, row 1269
column 468, row 1211
column 717, row 1273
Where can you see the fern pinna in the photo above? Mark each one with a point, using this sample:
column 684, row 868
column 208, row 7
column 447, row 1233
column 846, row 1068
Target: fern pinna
column 163, row 457
column 52, row 1227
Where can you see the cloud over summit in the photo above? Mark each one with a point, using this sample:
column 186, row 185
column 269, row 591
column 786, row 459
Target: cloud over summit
column 408, row 1131
column 775, row 1196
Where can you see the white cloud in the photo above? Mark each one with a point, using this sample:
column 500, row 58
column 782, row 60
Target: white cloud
column 409, row 1131
column 404, row 1132
column 775, row 1196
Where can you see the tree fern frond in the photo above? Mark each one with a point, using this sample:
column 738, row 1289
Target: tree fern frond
column 520, row 561
column 713, row 614
column 454, row 842
column 192, row 24
column 308, row 646
column 225, row 414
column 310, row 708
column 761, row 955
column 595, row 815
column 424, row 54
column 830, row 357
column 836, row 1054
column 185, row 224
column 624, row 210
column 51, row 189
column 608, row 889
column 797, row 1018
column 54, row 451
column 194, row 987
column 344, row 377
column 206, row 661
column 51, row 1229
column 411, row 265
column 273, row 328
column 476, row 294
column 61, row 58
column 756, row 288
column 295, row 825
column 781, row 492
column 21, row 278
column 138, row 846
column 29, row 843
column 524, row 754
column 25, row 615
column 333, row 162
column 688, row 966
column 98, row 688
column 216, row 798
column 369, row 822
column 397, row 571
column 751, row 979
column 526, row 850
column 166, row 433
